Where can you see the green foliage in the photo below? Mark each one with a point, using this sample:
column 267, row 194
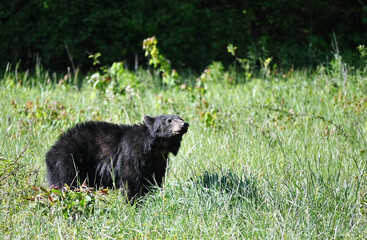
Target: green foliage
column 231, row 49
column 95, row 58
column 169, row 75
column 363, row 53
column 265, row 68
column 40, row 113
column 213, row 74
column 112, row 80
column 191, row 33
column 244, row 63
column 68, row 203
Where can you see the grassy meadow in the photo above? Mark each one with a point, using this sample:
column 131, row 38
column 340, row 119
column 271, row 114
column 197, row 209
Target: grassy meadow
column 276, row 156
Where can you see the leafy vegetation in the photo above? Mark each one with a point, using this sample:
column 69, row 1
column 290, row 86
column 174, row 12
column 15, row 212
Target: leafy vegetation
column 191, row 33
column 268, row 154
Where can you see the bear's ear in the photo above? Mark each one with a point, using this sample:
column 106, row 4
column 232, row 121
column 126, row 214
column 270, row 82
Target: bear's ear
column 149, row 121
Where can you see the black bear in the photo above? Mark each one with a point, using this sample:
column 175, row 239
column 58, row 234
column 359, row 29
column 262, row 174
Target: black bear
column 133, row 157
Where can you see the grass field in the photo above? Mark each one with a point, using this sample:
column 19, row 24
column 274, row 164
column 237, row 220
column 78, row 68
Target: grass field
column 281, row 156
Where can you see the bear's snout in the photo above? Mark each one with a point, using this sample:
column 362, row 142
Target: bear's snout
column 185, row 127
column 180, row 127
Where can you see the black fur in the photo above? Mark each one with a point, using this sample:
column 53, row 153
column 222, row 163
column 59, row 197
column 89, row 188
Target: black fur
column 104, row 154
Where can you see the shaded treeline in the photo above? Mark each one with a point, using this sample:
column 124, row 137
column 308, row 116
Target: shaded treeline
column 191, row 33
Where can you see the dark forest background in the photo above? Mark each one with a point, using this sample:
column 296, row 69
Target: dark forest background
column 190, row 33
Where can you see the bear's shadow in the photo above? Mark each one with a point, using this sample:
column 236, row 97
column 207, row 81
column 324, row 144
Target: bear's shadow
column 239, row 187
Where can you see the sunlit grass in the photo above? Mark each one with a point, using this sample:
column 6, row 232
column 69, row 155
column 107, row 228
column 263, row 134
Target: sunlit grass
column 283, row 157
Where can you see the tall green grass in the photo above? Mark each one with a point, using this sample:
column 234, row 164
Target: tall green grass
column 276, row 158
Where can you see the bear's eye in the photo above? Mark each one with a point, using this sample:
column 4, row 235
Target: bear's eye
column 169, row 120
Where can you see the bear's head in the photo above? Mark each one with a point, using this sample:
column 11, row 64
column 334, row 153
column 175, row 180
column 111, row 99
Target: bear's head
column 166, row 126
column 167, row 130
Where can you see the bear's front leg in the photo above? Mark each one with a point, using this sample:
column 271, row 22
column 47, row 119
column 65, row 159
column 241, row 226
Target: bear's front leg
column 132, row 188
